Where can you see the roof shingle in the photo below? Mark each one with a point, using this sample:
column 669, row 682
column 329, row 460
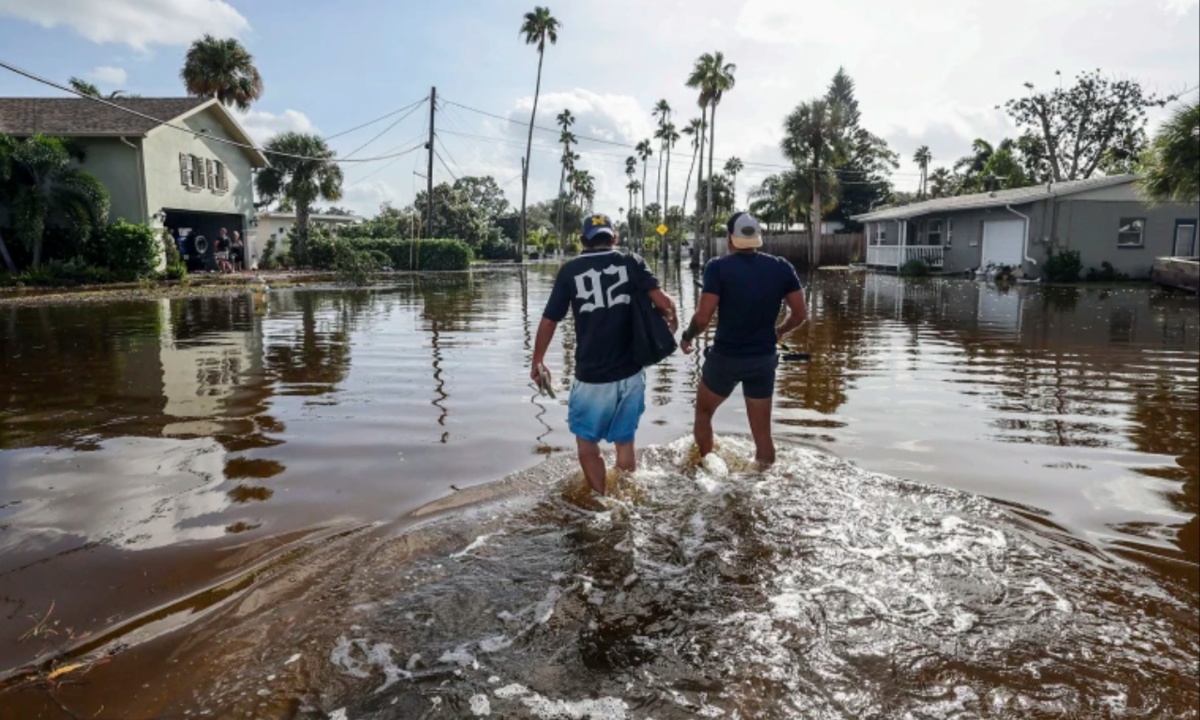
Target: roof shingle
column 80, row 117
column 999, row 198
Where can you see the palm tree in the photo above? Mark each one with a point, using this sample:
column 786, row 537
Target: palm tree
column 713, row 76
column 669, row 137
column 814, row 139
column 222, row 69
column 922, row 157
column 644, row 152
column 941, row 183
column 538, row 27
column 565, row 120
column 694, row 130
column 310, row 176
column 84, row 87
column 662, row 111
column 635, row 190
column 39, row 176
column 733, row 166
column 1172, row 164
column 630, row 169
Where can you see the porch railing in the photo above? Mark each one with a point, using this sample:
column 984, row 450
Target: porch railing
column 895, row 256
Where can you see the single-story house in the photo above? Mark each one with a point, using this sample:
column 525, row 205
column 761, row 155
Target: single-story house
column 154, row 173
column 1106, row 219
column 276, row 225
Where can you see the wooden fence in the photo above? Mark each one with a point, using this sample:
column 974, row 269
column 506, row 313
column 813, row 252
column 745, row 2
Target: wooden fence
column 835, row 249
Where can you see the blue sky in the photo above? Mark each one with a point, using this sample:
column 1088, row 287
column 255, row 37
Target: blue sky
column 928, row 71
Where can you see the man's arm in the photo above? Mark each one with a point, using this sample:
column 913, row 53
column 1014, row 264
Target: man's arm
column 666, row 307
column 797, row 314
column 545, row 333
column 700, row 320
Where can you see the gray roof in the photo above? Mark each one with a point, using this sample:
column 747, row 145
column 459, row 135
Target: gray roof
column 80, row 117
column 999, row 198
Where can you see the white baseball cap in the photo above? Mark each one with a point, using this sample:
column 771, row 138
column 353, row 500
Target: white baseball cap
column 744, row 231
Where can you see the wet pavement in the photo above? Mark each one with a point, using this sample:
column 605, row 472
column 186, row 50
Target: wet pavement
column 193, row 492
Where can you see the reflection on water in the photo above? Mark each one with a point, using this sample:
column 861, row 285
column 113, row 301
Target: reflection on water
column 149, row 450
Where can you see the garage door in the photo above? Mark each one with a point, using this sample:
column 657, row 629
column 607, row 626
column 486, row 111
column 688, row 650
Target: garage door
column 1003, row 242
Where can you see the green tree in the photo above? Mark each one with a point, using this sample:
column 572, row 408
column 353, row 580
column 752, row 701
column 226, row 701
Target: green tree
column 1003, row 169
column 303, row 174
column 815, row 143
column 867, row 163
column 714, row 77
column 670, row 136
column 455, row 215
column 733, row 166
column 1171, row 166
column 662, row 113
column 485, row 194
column 942, row 183
column 565, row 120
column 721, row 193
column 538, row 27
column 39, row 177
column 922, row 157
column 644, row 152
column 222, row 69
column 1096, row 120
column 86, row 88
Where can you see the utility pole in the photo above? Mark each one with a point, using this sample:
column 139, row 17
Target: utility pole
column 429, row 175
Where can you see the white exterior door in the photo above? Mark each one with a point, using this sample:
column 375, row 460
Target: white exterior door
column 1185, row 239
column 1003, row 242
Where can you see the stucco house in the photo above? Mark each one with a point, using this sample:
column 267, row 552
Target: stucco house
column 275, row 226
column 155, row 174
column 1106, row 219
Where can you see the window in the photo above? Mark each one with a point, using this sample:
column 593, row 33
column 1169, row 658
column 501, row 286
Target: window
column 187, row 170
column 933, row 233
column 1130, row 233
column 880, row 233
column 222, row 180
column 949, row 231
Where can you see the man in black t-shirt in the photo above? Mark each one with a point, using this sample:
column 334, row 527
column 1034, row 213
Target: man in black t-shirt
column 745, row 289
column 608, row 395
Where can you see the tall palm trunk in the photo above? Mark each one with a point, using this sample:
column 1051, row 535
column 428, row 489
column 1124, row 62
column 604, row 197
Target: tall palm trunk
column 688, row 185
column 642, row 218
column 528, row 150
column 700, row 231
column 562, row 178
column 302, row 213
column 712, row 144
column 666, row 200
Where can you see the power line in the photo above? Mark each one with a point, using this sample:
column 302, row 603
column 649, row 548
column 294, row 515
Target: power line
column 438, row 155
column 385, row 166
column 158, row 121
column 385, row 131
column 438, row 139
column 327, row 138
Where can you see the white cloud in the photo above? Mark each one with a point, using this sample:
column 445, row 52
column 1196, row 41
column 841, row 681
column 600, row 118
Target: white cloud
column 114, row 77
column 262, row 125
column 1180, row 7
column 365, row 199
column 137, row 23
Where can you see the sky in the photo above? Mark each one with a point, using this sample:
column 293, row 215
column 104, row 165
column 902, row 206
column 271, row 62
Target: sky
column 928, row 72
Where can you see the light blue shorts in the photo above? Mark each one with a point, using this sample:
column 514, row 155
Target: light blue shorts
column 607, row 411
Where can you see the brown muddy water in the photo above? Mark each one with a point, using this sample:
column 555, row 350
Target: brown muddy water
column 986, row 508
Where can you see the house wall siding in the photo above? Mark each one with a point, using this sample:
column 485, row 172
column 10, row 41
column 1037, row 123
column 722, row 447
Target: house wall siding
column 164, row 187
column 1090, row 226
column 116, row 165
column 966, row 249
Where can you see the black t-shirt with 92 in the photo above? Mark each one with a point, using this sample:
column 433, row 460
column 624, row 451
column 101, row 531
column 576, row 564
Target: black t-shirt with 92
column 596, row 287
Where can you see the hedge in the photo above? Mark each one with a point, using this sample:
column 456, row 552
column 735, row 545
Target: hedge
column 431, row 255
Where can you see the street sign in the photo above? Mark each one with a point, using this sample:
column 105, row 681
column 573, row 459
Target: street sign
column 662, row 229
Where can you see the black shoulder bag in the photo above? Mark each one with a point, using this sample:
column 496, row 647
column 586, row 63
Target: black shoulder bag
column 653, row 341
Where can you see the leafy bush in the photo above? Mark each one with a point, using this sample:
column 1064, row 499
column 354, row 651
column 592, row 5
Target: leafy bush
column 176, row 269
column 60, row 273
column 427, row 255
column 269, row 261
column 1063, row 266
column 355, row 265
column 914, row 268
column 129, row 250
column 1106, row 273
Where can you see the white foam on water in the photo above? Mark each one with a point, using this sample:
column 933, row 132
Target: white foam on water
column 476, row 543
column 292, row 659
column 339, row 714
column 605, row 708
column 511, row 691
column 377, row 656
column 480, row 705
column 495, row 644
column 459, row 656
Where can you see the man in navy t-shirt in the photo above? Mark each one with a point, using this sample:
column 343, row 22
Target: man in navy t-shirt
column 745, row 289
column 608, row 395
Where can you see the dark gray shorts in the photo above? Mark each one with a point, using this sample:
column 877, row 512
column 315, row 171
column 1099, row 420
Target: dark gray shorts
column 756, row 373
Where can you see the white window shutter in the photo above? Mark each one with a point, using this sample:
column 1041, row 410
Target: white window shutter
column 184, row 175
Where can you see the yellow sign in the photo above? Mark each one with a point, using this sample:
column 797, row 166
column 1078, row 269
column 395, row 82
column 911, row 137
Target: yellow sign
column 662, row 229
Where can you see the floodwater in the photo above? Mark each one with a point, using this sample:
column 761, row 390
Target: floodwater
column 986, row 507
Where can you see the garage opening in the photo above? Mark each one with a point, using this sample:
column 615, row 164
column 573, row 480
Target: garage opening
column 200, row 230
column 1003, row 243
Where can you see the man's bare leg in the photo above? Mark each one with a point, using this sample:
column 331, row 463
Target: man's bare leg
column 759, row 412
column 592, row 463
column 707, row 403
column 626, row 457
